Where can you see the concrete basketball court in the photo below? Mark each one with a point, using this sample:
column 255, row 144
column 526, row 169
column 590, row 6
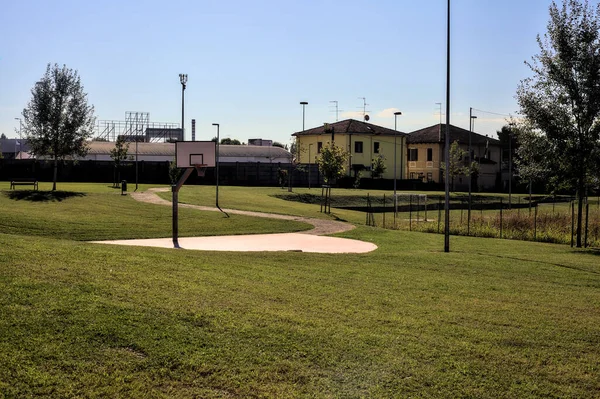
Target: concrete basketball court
column 309, row 241
column 296, row 242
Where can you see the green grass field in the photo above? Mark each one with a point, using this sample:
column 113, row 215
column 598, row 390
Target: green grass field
column 491, row 319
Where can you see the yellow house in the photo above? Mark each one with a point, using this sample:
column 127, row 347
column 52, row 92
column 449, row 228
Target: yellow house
column 363, row 141
column 426, row 154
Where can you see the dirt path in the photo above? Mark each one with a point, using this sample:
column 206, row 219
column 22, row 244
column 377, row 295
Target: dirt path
column 321, row 227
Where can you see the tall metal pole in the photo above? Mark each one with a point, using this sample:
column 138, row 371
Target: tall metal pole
column 183, row 79
column 509, row 170
column 471, row 127
column 136, row 155
column 303, row 103
column 447, row 149
column 395, row 168
column 217, row 163
column 309, row 164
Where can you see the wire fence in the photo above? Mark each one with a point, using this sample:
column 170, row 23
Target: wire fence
column 533, row 218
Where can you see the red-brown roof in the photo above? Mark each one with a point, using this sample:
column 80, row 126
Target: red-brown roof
column 437, row 134
column 351, row 126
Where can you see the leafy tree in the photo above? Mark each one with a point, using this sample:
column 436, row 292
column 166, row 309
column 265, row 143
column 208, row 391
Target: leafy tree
column 459, row 163
column 58, row 120
column 174, row 172
column 508, row 139
column 532, row 159
column 3, row 136
column 378, row 166
column 278, row 144
column 119, row 155
column 562, row 99
column 332, row 162
column 228, row 141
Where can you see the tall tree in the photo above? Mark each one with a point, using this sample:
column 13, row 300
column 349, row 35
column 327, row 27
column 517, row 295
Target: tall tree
column 119, row 155
column 562, row 99
column 58, row 120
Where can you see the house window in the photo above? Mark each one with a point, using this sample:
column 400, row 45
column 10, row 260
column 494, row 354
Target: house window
column 413, row 154
column 358, row 147
column 319, row 147
column 429, row 154
column 376, row 147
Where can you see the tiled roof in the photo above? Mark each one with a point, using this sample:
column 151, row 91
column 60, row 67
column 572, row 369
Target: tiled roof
column 351, row 126
column 432, row 134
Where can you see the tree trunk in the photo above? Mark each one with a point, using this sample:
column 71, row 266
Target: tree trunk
column 55, row 174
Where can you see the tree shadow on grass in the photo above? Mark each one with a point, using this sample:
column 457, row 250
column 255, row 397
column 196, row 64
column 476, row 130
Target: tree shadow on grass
column 588, row 251
column 42, row 196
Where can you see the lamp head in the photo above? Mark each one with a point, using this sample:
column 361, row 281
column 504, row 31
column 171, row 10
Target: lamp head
column 183, row 79
column 473, row 116
column 303, row 103
column 215, row 124
column 397, row 113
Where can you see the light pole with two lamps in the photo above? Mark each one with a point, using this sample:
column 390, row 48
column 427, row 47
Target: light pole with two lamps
column 183, row 78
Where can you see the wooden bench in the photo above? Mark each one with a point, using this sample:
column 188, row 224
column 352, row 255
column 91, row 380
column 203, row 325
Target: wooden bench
column 24, row 181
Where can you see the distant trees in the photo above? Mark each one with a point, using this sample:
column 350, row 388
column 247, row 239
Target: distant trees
column 561, row 102
column 3, row 136
column 228, row 141
column 58, row 120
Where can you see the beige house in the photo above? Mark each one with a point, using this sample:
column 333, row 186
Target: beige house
column 363, row 141
column 426, row 154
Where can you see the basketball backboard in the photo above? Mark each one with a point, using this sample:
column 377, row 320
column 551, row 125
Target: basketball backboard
column 191, row 153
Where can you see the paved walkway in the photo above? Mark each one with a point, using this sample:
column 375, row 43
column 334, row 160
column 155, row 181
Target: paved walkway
column 307, row 241
column 321, row 226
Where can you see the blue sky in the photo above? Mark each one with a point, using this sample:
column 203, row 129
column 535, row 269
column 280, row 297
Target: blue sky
column 251, row 63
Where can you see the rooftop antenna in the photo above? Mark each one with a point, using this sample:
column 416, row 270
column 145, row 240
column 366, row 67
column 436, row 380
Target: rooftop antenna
column 364, row 107
column 336, row 109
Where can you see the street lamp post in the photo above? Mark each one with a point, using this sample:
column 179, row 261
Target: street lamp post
column 20, row 139
column 471, row 127
column 304, row 104
column 183, row 79
column 396, row 114
column 510, row 170
column 447, row 141
column 217, row 163
column 309, row 164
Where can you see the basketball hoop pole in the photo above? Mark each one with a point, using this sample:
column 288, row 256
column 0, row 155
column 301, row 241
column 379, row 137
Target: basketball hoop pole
column 175, row 189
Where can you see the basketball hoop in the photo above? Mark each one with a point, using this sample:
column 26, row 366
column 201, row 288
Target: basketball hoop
column 201, row 169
